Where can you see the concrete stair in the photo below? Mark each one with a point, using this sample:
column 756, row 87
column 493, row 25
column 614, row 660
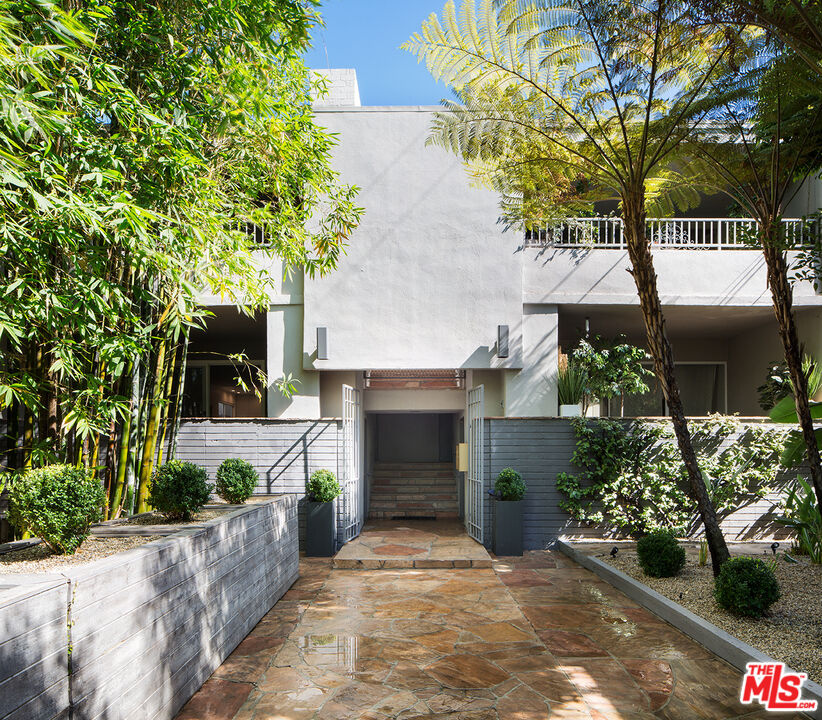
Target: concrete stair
column 408, row 490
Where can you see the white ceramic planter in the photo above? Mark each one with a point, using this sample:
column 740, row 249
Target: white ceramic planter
column 570, row 410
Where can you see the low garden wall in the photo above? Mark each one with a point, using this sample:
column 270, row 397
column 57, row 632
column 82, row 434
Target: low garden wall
column 136, row 634
column 283, row 452
column 541, row 448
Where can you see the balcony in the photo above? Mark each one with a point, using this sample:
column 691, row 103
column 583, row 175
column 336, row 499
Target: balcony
column 676, row 233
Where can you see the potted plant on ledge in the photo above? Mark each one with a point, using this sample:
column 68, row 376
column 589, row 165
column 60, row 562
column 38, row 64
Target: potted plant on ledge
column 570, row 388
column 320, row 520
column 509, row 490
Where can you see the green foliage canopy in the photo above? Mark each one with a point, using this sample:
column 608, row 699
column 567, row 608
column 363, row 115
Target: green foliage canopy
column 139, row 145
column 611, row 369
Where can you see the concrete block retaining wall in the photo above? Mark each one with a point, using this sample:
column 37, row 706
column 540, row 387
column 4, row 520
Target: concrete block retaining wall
column 147, row 627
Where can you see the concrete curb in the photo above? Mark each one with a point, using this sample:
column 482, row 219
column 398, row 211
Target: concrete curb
column 729, row 648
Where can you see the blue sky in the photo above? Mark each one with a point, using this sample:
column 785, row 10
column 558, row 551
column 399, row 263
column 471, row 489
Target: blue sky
column 366, row 35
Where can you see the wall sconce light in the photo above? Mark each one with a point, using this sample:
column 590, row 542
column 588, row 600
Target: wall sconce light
column 502, row 341
column 322, row 343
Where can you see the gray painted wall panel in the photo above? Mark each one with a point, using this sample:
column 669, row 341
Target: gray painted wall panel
column 284, row 452
column 541, row 448
column 33, row 647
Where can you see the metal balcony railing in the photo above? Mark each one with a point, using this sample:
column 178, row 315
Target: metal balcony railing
column 685, row 233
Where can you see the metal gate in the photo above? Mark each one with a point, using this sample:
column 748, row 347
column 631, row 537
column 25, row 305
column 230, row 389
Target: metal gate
column 474, row 495
column 350, row 504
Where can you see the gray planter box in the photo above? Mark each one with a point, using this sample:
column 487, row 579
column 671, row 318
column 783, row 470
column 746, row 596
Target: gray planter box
column 320, row 529
column 508, row 527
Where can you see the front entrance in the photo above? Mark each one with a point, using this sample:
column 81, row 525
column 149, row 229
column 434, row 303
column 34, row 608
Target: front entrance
column 411, row 466
column 399, row 465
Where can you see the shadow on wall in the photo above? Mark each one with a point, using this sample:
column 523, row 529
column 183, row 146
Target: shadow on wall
column 150, row 626
column 34, row 651
column 294, row 461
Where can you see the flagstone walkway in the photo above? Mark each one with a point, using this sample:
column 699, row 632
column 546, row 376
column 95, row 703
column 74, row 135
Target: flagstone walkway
column 531, row 638
column 412, row 544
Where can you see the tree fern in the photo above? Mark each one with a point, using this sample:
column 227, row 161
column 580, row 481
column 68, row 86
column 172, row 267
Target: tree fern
column 565, row 102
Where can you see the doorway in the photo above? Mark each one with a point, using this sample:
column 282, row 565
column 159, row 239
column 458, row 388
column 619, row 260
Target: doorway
column 411, row 466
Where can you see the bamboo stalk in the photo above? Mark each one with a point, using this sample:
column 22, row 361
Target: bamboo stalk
column 166, row 400
column 152, row 430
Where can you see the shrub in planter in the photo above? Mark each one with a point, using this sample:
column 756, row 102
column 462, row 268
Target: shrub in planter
column 179, row 489
column 321, row 526
column 509, row 485
column 322, row 486
column 236, row 480
column 746, row 586
column 509, row 489
column 660, row 555
column 57, row 504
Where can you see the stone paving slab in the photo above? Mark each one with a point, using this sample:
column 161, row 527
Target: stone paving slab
column 421, row 544
column 530, row 638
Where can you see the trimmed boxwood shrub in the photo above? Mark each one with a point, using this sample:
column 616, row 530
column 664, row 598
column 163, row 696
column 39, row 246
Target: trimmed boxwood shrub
column 322, row 486
column 236, row 480
column 179, row 489
column 509, row 485
column 659, row 554
column 57, row 504
column 746, row 586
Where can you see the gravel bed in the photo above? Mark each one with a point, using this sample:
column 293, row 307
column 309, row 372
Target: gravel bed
column 156, row 518
column 792, row 633
column 39, row 559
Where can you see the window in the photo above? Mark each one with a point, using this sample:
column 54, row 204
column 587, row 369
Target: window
column 211, row 390
column 702, row 387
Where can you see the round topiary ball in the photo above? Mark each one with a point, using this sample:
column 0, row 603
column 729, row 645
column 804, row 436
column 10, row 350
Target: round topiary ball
column 179, row 489
column 659, row 554
column 57, row 504
column 509, row 485
column 746, row 586
column 236, row 480
column 322, row 486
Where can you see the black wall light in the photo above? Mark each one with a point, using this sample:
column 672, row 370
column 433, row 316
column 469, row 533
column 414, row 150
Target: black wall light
column 502, row 341
column 322, row 343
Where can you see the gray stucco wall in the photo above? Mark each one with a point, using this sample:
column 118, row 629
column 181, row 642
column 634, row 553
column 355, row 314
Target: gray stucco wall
column 541, row 448
column 146, row 627
column 430, row 272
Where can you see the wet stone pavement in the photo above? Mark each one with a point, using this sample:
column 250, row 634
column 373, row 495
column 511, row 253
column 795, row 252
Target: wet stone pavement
column 527, row 639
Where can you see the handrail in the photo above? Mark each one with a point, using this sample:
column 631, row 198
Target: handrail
column 684, row 233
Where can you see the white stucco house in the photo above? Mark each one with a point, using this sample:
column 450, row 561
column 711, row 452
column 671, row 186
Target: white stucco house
column 435, row 297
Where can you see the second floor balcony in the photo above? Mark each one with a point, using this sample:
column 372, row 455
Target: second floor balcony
column 680, row 233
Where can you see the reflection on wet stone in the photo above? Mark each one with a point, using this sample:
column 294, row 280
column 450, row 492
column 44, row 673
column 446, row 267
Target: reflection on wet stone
column 530, row 638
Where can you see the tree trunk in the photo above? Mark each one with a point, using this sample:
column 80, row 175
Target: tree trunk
column 782, row 296
column 639, row 251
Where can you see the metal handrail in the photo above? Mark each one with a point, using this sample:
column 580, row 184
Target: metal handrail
column 685, row 233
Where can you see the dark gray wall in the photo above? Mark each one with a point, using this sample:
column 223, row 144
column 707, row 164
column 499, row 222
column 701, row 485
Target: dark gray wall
column 541, row 448
column 149, row 626
column 33, row 647
column 284, row 452
column 414, row 437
